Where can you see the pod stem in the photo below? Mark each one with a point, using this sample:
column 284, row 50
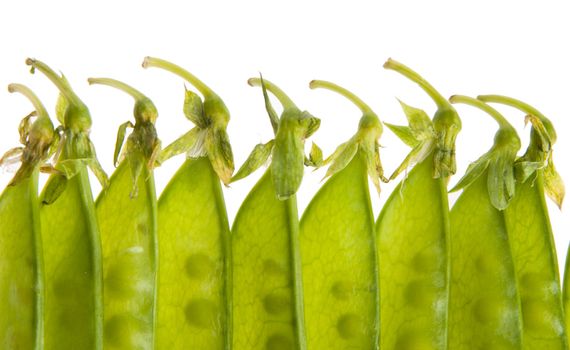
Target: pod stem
column 181, row 72
column 513, row 102
column 285, row 101
column 415, row 77
column 24, row 90
column 59, row 81
column 503, row 123
column 137, row 95
column 315, row 84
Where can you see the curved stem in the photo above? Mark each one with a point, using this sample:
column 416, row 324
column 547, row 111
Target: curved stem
column 181, row 72
column 137, row 95
column 315, row 84
column 57, row 80
column 24, row 90
column 415, row 77
column 509, row 101
column 275, row 90
column 503, row 123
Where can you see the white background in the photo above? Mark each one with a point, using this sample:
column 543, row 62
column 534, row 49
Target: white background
column 517, row 48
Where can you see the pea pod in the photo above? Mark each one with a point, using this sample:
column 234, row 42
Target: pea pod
column 413, row 229
column 70, row 232
column 338, row 245
column 194, row 309
column 21, row 258
column 531, row 236
column 267, row 288
column 484, row 309
column 127, row 216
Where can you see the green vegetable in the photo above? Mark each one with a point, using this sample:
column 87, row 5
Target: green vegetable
column 127, row 216
column 267, row 288
column 484, row 304
column 340, row 273
column 21, row 258
column 413, row 229
column 70, row 233
column 531, row 236
column 194, row 296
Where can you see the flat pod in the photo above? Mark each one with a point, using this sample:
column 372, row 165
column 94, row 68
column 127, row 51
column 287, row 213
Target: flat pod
column 264, row 279
column 340, row 288
column 194, row 296
column 21, row 255
column 128, row 238
column 21, row 267
column 194, row 235
column 536, row 267
column 412, row 233
column 72, row 258
column 70, row 232
column 484, row 308
column 127, row 215
column 531, row 236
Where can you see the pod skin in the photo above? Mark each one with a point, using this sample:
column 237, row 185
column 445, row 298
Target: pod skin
column 338, row 245
column 531, row 236
column 70, row 233
column 413, row 230
column 484, row 304
column 21, row 257
column 127, row 214
column 267, row 288
column 194, row 300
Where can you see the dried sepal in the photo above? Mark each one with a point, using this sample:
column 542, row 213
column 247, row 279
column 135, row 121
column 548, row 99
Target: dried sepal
column 120, row 140
column 190, row 141
column 60, row 108
column 553, row 184
column 416, row 155
column 255, row 160
column 95, row 166
column 373, row 165
column 287, row 166
column 219, row 151
column 54, row 189
column 273, row 118
column 11, row 157
column 474, row 171
column 501, row 180
column 340, row 158
column 194, row 109
column 25, row 126
column 420, row 124
column 404, row 133
column 315, row 158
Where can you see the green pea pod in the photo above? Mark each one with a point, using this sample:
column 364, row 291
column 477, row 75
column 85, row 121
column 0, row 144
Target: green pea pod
column 194, row 295
column 70, row 232
column 267, row 288
column 413, row 232
column 484, row 305
column 127, row 216
column 338, row 245
column 531, row 235
column 21, row 257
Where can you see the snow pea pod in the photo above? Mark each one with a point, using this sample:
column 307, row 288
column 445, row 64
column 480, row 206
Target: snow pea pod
column 337, row 223
column 70, row 232
column 21, row 257
column 267, row 288
column 531, row 236
column 127, row 214
column 413, row 229
column 194, row 310
column 484, row 304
